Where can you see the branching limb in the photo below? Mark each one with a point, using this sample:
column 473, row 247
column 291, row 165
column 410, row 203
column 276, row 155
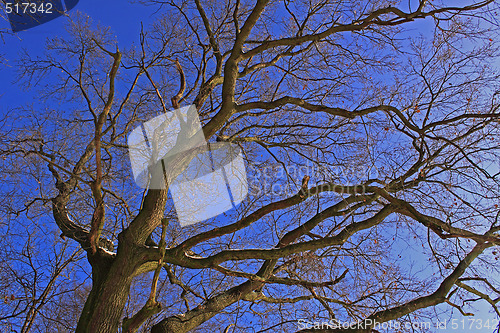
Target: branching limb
column 152, row 307
column 97, row 223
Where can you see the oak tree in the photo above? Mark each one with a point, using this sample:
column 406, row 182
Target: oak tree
column 370, row 134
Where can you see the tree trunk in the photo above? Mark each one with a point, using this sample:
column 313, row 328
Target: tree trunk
column 111, row 280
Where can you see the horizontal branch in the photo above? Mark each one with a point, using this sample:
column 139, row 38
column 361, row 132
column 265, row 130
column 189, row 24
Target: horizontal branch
column 311, row 107
column 173, row 256
column 374, row 18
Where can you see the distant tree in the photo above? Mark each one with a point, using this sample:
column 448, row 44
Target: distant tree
column 370, row 134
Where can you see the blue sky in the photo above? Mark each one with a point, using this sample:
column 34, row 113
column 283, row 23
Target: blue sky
column 123, row 17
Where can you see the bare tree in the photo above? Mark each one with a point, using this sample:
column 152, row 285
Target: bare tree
column 370, row 133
